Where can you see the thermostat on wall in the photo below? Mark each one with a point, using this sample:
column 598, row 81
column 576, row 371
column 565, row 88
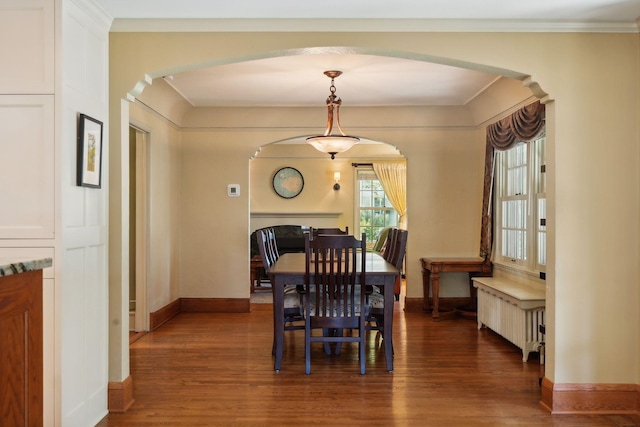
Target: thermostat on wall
column 233, row 190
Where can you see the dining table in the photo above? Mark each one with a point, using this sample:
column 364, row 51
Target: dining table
column 289, row 269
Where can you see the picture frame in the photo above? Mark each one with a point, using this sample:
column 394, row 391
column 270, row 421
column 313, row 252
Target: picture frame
column 89, row 152
column 288, row 182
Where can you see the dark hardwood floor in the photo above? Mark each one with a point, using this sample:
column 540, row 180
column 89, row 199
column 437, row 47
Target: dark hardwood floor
column 203, row 369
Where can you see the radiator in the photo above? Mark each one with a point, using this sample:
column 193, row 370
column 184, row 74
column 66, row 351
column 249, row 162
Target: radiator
column 513, row 311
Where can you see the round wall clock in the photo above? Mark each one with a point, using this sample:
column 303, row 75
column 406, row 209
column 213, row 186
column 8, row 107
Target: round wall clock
column 288, row 182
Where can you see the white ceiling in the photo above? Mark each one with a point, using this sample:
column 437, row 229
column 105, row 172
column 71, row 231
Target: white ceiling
column 298, row 80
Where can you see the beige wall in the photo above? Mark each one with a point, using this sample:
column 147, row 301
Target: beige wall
column 593, row 138
column 447, row 176
column 214, row 244
column 213, row 159
column 317, row 197
column 318, row 205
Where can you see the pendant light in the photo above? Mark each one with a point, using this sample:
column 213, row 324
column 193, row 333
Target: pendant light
column 329, row 143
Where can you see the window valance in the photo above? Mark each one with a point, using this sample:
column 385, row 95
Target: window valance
column 526, row 124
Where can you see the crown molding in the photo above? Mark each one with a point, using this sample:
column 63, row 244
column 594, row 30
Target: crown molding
column 95, row 11
column 369, row 25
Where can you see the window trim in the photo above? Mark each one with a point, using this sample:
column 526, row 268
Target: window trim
column 535, row 191
column 357, row 209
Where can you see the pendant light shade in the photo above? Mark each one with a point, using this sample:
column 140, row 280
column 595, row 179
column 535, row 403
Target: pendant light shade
column 329, row 143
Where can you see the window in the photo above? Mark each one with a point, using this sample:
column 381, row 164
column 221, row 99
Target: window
column 375, row 211
column 521, row 206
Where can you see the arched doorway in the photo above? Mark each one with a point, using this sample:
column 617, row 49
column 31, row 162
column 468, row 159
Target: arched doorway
column 226, row 160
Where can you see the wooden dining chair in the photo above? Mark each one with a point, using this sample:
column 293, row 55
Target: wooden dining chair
column 397, row 256
column 394, row 255
column 335, row 297
column 394, row 251
column 264, row 248
column 292, row 296
column 389, row 244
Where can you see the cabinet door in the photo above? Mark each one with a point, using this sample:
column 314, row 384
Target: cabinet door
column 21, row 392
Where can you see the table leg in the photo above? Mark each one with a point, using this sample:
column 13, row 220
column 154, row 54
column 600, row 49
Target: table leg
column 255, row 272
column 278, row 320
column 426, row 285
column 252, row 274
column 435, row 285
column 387, row 333
column 431, row 281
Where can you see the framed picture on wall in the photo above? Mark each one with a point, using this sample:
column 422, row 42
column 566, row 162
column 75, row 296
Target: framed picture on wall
column 288, row 182
column 89, row 152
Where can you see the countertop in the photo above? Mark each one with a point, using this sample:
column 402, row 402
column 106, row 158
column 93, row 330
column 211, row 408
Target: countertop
column 9, row 266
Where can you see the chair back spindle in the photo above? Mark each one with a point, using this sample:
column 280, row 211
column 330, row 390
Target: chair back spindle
column 272, row 244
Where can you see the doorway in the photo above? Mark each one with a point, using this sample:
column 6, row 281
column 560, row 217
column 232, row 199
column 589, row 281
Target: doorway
column 138, row 236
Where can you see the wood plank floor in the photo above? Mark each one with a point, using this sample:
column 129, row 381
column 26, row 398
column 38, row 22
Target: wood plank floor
column 203, row 369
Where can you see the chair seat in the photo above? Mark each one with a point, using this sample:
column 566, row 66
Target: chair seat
column 357, row 305
column 376, row 300
column 291, row 289
column 291, row 297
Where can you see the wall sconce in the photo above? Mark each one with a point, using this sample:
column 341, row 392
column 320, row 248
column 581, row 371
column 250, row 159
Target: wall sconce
column 336, row 178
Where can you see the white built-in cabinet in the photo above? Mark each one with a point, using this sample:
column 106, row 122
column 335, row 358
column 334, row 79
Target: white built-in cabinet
column 54, row 56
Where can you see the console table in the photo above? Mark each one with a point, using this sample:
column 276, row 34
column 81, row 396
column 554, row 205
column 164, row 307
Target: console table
column 21, row 338
column 431, row 269
column 256, row 271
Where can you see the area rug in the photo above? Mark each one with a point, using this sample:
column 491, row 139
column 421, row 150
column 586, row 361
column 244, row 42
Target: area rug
column 262, row 296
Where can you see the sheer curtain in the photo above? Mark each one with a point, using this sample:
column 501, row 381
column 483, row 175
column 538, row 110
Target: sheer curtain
column 524, row 125
column 393, row 177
